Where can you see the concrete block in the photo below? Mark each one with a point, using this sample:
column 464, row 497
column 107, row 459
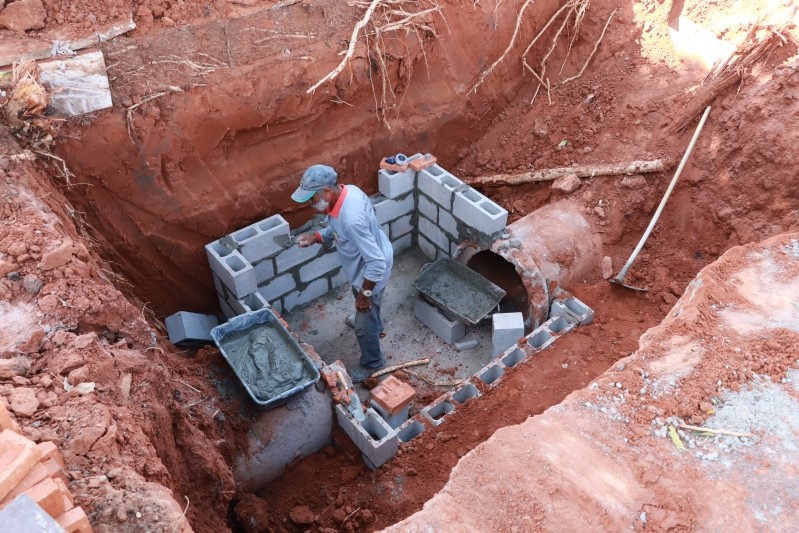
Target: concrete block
column 439, row 185
column 387, row 209
column 339, row 278
column 401, row 226
column 264, row 270
column 262, row 239
column 560, row 325
column 437, row 412
column 513, row 358
column 313, row 291
column 403, row 243
column 251, row 302
column 466, row 345
column 235, row 272
column 427, row 208
column 449, row 330
column 395, row 420
column 395, row 184
column 377, row 441
column 465, row 392
column 491, row 374
column 448, row 223
column 187, row 328
column 23, row 516
column 295, row 255
column 506, row 330
column 227, row 311
column 428, row 248
column 572, row 307
column 277, row 287
column 540, row 338
column 282, row 436
column 220, row 287
column 434, row 234
column 478, row 212
column 319, row 266
column 411, row 429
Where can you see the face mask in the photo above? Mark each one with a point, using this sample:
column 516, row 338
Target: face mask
column 321, row 205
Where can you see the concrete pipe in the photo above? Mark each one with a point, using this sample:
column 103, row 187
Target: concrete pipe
column 552, row 246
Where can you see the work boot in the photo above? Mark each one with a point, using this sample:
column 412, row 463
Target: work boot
column 361, row 373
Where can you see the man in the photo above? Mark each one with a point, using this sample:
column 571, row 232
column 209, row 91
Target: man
column 364, row 250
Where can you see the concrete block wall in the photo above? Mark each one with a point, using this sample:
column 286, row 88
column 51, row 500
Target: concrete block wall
column 432, row 209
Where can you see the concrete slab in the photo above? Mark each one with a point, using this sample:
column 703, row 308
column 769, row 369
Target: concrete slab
column 322, row 325
column 24, row 516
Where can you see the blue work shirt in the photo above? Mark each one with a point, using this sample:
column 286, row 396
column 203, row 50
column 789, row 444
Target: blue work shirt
column 363, row 247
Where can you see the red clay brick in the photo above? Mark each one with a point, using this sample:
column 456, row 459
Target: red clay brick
column 47, row 495
column 50, row 451
column 49, row 468
column 18, row 456
column 392, row 395
column 75, row 520
column 6, row 422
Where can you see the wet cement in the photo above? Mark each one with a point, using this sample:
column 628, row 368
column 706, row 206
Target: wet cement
column 265, row 360
column 458, row 290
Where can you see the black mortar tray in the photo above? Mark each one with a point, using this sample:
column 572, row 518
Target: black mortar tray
column 458, row 290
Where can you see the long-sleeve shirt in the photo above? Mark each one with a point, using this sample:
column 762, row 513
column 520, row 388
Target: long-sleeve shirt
column 363, row 247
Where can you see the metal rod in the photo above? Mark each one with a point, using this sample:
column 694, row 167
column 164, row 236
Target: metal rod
column 629, row 263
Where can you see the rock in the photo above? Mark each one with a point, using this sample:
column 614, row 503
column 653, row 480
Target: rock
column 17, row 248
column 23, row 15
column 23, row 402
column 301, row 515
column 16, row 366
column 252, row 513
column 599, row 212
column 58, row 257
column 158, row 11
column 633, row 182
column 6, row 266
column 348, row 473
column 32, row 284
column 13, row 276
column 144, row 14
column 607, row 267
column 82, row 341
column 567, row 184
column 668, row 298
column 675, row 288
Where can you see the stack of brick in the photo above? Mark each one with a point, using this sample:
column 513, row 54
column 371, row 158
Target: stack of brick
column 37, row 471
column 258, row 266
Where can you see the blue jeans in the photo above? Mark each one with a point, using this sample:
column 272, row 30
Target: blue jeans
column 368, row 327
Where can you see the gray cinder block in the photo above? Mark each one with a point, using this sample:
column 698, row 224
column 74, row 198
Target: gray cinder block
column 401, row 226
column 491, row 374
column 296, row 255
column 448, row 223
column 187, row 328
column 251, row 302
column 449, row 330
column 411, row 429
column 560, row 325
column 478, row 212
column 313, row 291
column 439, row 185
column 428, row 248
column 567, row 305
column 540, row 338
column 506, row 330
column 434, row 234
column 403, row 243
column 387, row 209
column 262, row 239
column 264, row 270
column 277, row 287
column 338, row 279
column 377, row 441
column 428, row 208
column 319, row 266
column 235, row 272
column 394, row 184
column 436, row 412
column 396, row 420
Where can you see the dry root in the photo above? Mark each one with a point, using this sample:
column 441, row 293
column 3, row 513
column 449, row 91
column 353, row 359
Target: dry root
column 23, row 106
column 572, row 11
column 381, row 20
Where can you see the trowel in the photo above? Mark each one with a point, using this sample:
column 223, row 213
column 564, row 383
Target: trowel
column 283, row 240
column 354, row 407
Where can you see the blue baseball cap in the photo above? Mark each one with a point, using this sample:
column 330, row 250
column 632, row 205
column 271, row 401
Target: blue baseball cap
column 316, row 178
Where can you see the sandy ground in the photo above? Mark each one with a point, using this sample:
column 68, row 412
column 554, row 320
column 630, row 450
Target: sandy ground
column 84, row 266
